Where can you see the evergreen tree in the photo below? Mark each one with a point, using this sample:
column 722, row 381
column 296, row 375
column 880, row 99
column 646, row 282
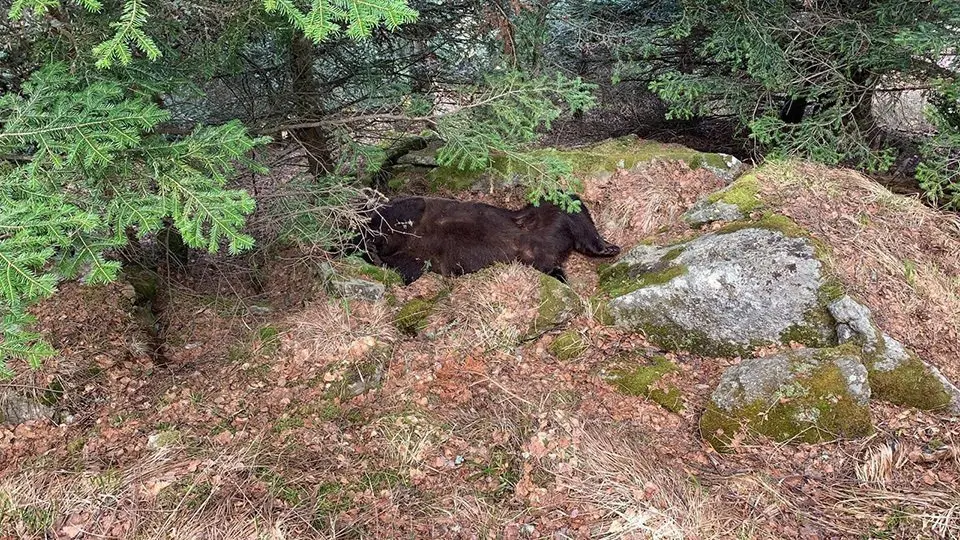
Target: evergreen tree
column 83, row 161
column 802, row 75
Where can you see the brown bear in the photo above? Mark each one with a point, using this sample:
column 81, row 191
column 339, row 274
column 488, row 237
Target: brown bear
column 413, row 235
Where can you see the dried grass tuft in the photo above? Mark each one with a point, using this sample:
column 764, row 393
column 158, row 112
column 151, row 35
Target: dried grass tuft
column 489, row 310
column 634, row 204
column 640, row 498
column 167, row 494
column 332, row 329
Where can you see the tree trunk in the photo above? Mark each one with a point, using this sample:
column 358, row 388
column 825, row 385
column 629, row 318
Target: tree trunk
column 315, row 140
column 175, row 249
column 862, row 113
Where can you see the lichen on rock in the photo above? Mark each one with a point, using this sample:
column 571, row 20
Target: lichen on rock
column 897, row 375
column 722, row 294
column 804, row 395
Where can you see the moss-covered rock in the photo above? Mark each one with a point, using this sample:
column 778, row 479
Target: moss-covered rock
column 597, row 159
column 412, row 317
column 357, row 279
column 723, row 294
column 897, row 375
column 805, row 395
column 743, row 194
column 628, row 152
column 644, row 380
column 558, row 304
column 568, row 345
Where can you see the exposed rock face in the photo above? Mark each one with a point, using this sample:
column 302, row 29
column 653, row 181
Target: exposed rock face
column 807, row 395
column 705, row 211
column 15, row 409
column 729, row 171
column 896, row 374
column 722, row 294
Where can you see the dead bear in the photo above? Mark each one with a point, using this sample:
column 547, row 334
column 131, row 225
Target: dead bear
column 413, row 235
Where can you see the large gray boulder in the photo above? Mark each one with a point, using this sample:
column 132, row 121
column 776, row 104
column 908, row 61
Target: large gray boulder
column 723, row 294
column 803, row 395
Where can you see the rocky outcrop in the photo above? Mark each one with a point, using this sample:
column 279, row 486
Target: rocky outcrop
column 897, row 374
column 420, row 168
column 804, row 395
column 723, row 294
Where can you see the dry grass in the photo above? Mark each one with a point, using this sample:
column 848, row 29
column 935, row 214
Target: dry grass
column 489, row 310
column 333, row 329
column 641, row 498
column 631, row 205
column 171, row 493
column 897, row 255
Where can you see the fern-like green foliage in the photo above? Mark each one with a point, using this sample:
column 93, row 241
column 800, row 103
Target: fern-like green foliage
column 87, row 168
column 325, row 18
column 506, row 114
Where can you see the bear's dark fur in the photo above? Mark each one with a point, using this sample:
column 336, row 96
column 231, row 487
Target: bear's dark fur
column 417, row 234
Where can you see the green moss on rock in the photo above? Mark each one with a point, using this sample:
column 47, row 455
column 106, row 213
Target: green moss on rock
column 568, row 345
column 676, row 338
column 910, row 384
column 744, row 194
column 642, row 381
column 816, row 329
column 412, row 317
column 815, row 407
column 382, row 275
column 558, row 304
column 597, row 159
column 628, row 152
column 616, row 279
column 453, row 179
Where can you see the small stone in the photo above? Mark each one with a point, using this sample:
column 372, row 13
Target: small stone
column 704, row 212
column 359, row 289
column 16, row 409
